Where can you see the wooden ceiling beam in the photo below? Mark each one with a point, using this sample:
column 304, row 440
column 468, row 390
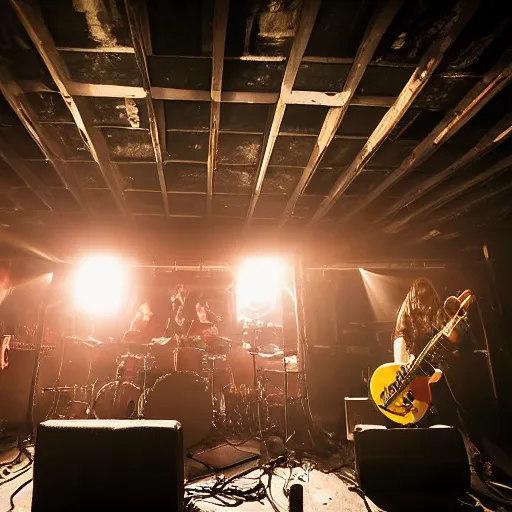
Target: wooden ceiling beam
column 428, row 64
column 31, row 17
column 491, row 139
column 309, row 11
column 220, row 24
column 452, row 192
column 46, row 143
column 135, row 13
column 478, row 96
column 466, row 222
column 379, row 23
column 19, row 166
column 166, row 93
column 473, row 203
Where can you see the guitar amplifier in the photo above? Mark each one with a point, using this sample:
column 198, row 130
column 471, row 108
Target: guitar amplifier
column 362, row 411
column 15, row 387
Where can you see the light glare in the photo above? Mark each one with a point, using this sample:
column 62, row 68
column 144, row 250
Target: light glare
column 101, row 285
column 259, row 282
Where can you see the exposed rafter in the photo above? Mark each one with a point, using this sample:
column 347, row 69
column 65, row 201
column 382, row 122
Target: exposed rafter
column 454, row 191
column 465, row 222
column 32, row 19
column 220, row 23
column 375, row 31
column 309, row 11
column 167, row 93
column 135, row 15
column 473, row 203
column 491, row 139
column 19, row 166
column 479, row 95
column 51, row 150
column 428, row 64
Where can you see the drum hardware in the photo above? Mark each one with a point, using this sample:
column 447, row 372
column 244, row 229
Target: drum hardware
column 81, row 395
column 191, row 379
column 129, row 388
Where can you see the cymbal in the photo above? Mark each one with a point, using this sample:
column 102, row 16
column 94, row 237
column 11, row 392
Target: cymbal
column 90, row 342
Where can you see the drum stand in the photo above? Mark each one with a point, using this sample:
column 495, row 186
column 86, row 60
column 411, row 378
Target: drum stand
column 141, row 404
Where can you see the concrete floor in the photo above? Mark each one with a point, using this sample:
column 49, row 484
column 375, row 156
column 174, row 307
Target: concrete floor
column 322, row 491
column 326, row 493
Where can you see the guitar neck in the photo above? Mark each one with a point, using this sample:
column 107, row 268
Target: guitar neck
column 429, row 347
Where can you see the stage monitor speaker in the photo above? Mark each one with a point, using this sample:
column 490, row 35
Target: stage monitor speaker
column 15, row 385
column 411, row 461
column 362, row 411
column 108, row 465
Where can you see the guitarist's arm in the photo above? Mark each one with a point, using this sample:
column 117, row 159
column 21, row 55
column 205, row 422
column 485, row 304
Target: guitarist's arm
column 402, row 356
column 400, row 351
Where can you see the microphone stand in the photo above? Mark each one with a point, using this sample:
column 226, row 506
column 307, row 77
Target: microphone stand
column 38, row 345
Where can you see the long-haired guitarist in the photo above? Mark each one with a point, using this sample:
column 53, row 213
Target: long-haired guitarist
column 421, row 315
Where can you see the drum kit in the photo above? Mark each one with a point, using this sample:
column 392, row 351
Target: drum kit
column 238, row 388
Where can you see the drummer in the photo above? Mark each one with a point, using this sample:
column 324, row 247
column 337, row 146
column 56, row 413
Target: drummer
column 194, row 315
column 136, row 333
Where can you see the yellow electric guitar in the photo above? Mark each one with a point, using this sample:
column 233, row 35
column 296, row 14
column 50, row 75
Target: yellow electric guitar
column 402, row 391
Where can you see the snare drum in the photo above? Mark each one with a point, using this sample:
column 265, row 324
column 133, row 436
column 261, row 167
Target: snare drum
column 132, row 365
column 182, row 396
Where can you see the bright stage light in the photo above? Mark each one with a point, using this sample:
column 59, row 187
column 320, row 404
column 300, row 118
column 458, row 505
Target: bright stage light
column 101, row 285
column 258, row 284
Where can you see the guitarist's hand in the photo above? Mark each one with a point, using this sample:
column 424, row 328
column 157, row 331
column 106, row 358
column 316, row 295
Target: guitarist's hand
column 436, row 377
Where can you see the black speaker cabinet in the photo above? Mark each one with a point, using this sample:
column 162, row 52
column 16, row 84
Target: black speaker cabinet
column 15, row 385
column 108, row 465
column 362, row 411
column 411, row 461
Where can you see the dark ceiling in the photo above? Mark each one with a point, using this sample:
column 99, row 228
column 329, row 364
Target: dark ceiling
column 339, row 126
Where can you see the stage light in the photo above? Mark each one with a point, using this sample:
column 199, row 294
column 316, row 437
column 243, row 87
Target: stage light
column 258, row 285
column 101, row 285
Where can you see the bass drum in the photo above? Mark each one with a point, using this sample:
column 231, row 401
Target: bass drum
column 182, row 396
column 116, row 400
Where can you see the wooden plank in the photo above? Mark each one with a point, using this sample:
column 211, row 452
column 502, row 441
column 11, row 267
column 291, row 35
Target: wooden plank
column 376, row 29
column 497, row 134
column 428, row 64
column 250, row 97
column 451, row 193
column 470, row 205
column 309, row 11
column 479, row 95
column 30, row 15
column 105, row 91
column 139, row 36
column 19, row 166
column 220, row 24
column 339, row 99
column 51, row 150
column 167, row 93
column 99, row 49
